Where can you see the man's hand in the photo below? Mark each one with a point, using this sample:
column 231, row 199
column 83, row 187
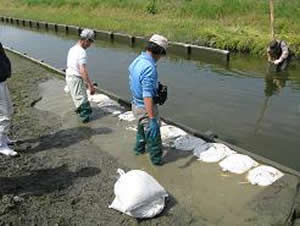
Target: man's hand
column 84, row 74
column 276, row 62
column 92, row 89
column 153, row 128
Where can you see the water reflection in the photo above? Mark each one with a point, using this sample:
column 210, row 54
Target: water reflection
column 275, row 82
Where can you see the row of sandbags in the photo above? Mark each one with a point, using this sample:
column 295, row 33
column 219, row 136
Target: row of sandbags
column 130, row 195
column 228, row 159
column 215, row 152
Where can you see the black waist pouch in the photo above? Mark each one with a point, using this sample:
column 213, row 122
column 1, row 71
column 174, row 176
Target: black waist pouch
column 162, row 94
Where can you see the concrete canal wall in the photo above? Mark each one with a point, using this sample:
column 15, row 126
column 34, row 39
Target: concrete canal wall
column 177, row 48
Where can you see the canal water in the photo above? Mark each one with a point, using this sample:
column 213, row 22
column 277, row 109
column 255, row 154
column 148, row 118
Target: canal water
column 241, row 102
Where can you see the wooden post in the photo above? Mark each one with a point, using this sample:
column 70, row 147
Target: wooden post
column 272, row 18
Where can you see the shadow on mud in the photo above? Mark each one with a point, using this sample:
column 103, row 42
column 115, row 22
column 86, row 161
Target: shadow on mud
column 60, row 139
column 44, row 181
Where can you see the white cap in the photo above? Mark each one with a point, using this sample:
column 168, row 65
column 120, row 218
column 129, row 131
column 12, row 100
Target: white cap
column 88, row 34
column 159, row 40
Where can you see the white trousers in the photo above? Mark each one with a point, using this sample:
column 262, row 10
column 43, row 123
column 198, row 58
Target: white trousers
column 77, row 89
column 6, row 110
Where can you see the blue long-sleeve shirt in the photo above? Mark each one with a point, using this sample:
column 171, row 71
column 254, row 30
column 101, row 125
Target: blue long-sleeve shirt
column 143, row 79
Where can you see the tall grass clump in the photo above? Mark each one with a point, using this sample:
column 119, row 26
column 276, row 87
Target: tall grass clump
column 151, row 8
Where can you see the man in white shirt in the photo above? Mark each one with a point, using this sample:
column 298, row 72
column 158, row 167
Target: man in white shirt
column 77, row 77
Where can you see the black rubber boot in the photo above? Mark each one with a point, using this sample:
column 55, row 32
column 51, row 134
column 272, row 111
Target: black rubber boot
column 140, row 140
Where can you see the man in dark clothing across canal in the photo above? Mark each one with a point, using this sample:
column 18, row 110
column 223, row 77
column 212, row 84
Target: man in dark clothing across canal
column 278, row 54
column 144, row 86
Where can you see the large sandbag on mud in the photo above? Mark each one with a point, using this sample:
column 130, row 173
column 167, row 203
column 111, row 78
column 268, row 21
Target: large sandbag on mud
column 237, row 163
column 188, row 143
column 264, row 175
column 138, row 194
column 212, row 152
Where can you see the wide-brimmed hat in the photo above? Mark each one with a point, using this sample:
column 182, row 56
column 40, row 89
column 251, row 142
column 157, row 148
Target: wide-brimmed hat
column 160, row 41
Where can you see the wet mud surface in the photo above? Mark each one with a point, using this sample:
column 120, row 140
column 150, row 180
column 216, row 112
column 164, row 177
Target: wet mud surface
column 51, row 182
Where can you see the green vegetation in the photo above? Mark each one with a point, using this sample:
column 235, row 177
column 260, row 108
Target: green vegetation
column 238, row 25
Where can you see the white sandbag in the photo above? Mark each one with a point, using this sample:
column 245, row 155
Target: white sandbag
column 162, row 123
column 212, row 152
column 188, row 143
column 237, row 163
column 264, row 175
column 127, row 116
column 171, row 132
column 66, row 89
column 110, row 106
column 116, row 112
column 107, row 103
column 98, row 98
column 132, row 128
column 150, row 209
column 138, row 194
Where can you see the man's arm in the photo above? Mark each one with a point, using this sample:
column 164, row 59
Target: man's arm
column 148, row 101
column 84, row 74
column 148, row 85
column 285, row 51
column 153, row 123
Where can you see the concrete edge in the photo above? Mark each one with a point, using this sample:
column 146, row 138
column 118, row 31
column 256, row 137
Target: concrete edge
column 177, row 48
column 190, row 130
column 123, row 38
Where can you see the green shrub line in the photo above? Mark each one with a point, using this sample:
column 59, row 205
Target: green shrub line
column 235, row 25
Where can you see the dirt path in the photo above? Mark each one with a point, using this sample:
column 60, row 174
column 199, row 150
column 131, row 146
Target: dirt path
column 49, row 183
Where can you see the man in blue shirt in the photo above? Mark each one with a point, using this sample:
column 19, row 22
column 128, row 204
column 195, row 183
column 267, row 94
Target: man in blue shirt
column 143, row 82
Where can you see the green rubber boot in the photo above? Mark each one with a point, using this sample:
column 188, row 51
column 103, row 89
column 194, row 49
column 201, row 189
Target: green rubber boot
column 140, row 140
column 85, row 112
column 154, row 147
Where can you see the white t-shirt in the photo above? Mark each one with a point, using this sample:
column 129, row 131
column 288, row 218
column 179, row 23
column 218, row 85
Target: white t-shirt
column 76, row 56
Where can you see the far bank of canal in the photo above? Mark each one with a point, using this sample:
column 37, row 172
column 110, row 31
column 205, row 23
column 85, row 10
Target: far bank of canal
column 241, row 103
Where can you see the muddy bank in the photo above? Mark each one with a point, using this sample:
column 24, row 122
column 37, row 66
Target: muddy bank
column 51, row 182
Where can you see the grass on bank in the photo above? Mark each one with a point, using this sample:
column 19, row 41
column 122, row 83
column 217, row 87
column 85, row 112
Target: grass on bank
column 238, row 25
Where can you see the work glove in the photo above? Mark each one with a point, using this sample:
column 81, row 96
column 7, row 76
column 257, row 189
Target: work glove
column 277, row 61
column 153, row 128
